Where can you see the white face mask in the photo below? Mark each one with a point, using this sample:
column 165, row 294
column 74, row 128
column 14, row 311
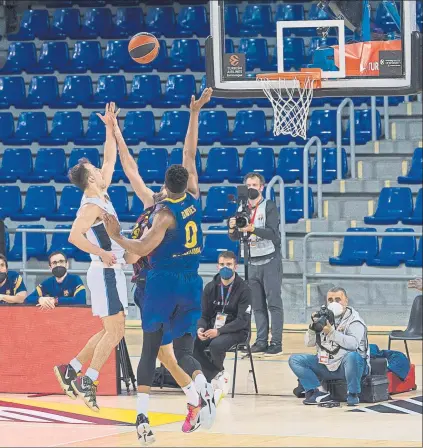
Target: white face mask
column 336, row 308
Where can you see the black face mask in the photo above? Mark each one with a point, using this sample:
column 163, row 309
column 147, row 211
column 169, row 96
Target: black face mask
column 59, row 271
column 253, row 194
column 3, row 276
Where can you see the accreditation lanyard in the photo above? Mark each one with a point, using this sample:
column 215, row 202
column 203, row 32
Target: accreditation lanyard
column 255, row 212
column 225, row 300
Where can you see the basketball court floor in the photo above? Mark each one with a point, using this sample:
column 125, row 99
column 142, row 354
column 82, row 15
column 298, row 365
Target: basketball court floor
column 273, row 418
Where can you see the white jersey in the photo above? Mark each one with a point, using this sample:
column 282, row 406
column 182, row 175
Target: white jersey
column 97, row 234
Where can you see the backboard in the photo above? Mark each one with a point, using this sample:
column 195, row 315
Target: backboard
column 363, row 47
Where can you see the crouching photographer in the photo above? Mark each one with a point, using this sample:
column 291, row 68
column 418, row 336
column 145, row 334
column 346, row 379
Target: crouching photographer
column 340, row 335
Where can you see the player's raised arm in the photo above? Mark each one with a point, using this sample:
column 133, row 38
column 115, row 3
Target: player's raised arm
column 130, row 168
column 191, row 141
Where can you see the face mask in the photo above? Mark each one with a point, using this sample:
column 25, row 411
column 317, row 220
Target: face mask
column 226, row 273
column 3, row 276
column 253, row 194
column 59, row 271
column 336, row 308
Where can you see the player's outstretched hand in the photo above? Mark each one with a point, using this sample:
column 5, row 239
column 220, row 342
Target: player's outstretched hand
column 110, row 115
column 196, row 105
column 112, row 225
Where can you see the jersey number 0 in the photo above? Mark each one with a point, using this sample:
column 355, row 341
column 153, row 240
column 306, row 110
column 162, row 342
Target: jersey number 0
column 191, row 234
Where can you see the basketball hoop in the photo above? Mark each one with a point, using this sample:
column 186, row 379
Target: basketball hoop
column 290, row 94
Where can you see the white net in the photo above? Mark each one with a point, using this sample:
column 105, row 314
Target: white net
column 291, row 104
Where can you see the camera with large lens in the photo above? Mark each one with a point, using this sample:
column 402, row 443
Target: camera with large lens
column 320, row 319
column 242, row 219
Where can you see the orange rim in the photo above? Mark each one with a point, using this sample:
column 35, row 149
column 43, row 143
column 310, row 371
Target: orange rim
column 302, row 76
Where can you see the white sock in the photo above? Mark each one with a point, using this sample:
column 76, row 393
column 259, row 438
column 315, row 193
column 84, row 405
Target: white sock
column 76, row 365
column 200, row 381
column 92, row 374
column 322, row 389
column 191, row 393
column 142, row 403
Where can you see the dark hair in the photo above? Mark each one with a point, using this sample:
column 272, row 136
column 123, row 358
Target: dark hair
column 227, row 254
column 176, row 179
column 253, row 174
column 57, row 252
column 338, row 289
column 3, row 257
column 79, row 174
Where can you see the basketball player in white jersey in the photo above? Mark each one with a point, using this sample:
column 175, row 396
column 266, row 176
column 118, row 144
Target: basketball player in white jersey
column 105, row 276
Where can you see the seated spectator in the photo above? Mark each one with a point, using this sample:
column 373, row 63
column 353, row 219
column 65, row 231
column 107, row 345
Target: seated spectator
column 225, row 320
column 62, row 288
column 342, row 351
column 12, row 287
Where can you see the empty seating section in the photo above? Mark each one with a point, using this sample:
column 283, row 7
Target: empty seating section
column 415, row 174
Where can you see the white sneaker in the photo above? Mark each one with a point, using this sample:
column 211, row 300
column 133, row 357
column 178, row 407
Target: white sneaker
column 224, row 382
column 208, row 406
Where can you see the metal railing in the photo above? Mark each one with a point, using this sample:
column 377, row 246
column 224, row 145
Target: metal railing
column 307, row 274
column 310, row 143
column 269, row 187
column 374, row 119
column 386, row 118
column 345, row 102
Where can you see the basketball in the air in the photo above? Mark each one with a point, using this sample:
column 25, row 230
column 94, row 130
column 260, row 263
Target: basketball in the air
column 143, row 48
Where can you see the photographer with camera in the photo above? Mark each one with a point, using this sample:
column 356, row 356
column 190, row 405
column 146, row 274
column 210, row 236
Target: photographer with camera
column 340, row 335
column 257, row 223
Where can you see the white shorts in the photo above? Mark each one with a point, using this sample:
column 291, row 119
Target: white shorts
column 108, row 290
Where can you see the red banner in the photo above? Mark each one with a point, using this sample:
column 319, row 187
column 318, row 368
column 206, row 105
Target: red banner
column 33, row 341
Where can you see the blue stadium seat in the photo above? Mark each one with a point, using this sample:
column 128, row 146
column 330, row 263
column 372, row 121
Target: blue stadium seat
column 97, row 22
column 34, row 23
column 39, row 202
column 59, row 241
column 395, row 250
column 384, row 20
column 260, row 160
column 70, row 201
column 192, row 20
column 22, row 56
column 220, row 204
column 415, row 174
column 281, row 140
column 329, row 156
column 185, row 54
column 214, row 244
column 256, row 52
column 318, row 43
column 393, row 205
column 232, row 25
column 222, row 163
column 86, row 56
column 417, row 261
column 119, row 197
column 152, row 164
column 127, row 23
column 48, row 163
column 53, row 56
column 294, row 53
column 249, row 126
column 213, row 126
column 96, row 132
column 160, row 63
column 289, row 13
column 109, row 88
column 91, row 154
column 11, row 202
column 16, row 163
column 136, row 209
column 257, row 19
column 115, row 57
column 213, row 101
column 12, row 91
column 315, row 13
column 178, row 91
column 363, row 127
column 173, row 128
column 416, row 217
column 145, row 89
column 77, row 90
column 357, row 249
column 66, row 22
column 290, row 164
column 118, row 173
column 31, row 127
column 294, row 204
column 66, row 127
column 175, row 158
column 43, row 91
column 138, row 126
column 36, row 244
column 322, row 123
column 7, row 125
column 161, row 21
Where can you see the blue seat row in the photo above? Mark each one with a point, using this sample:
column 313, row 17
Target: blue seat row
column 358, row 249
column 249, row 126
column 87, row 56
column 396, row 204
column 415, row 173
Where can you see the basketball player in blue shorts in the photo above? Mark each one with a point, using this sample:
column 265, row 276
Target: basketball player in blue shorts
column 172, row 302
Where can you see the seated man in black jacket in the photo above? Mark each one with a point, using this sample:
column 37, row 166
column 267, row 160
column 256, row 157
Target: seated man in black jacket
column 225, row 320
